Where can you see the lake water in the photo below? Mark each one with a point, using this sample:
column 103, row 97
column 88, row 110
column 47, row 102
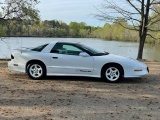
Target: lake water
column 129, row 49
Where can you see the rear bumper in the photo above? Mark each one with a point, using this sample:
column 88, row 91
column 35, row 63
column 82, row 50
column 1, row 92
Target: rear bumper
column 16, row 66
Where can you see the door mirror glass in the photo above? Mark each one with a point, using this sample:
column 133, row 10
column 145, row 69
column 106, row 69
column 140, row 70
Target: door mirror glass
column 84, row 54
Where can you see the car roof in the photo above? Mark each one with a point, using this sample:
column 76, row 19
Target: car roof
column 68, row 42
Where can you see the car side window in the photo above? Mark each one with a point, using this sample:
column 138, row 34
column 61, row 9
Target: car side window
column 67, row 49
column 72, row 50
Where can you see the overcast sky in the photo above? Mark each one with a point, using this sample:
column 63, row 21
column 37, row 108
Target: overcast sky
column 70, row 10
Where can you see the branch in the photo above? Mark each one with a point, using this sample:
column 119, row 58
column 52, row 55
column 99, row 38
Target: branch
column 113, row 8
column 153, row 30
column 139, row 1
column 20, row 9
column 127, row 27
column 154, row 9
column 129, row 1
column 154, row 2
column 152, row 36
column 2, row 39
column 155, row 22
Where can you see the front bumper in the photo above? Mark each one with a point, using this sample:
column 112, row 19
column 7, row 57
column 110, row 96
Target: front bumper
column 137, row 71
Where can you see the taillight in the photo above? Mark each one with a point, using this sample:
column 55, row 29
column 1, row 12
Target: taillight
column 148, row 69
column 12, row 57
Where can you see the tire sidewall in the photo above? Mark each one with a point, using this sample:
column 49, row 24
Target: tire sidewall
column 112, row 66
column 36, row 78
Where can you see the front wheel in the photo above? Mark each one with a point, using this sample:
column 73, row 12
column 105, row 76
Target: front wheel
column 112, row 73
column 36, row 71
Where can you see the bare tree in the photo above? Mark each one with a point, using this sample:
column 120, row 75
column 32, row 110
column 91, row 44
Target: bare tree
column 18, row 10
column 142, row 14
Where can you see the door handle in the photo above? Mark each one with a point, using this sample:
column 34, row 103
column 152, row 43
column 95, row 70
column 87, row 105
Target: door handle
column 55, row 57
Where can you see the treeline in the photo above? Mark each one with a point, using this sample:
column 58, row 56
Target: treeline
column 52, row 28
column 115, row 31
column 55, row 28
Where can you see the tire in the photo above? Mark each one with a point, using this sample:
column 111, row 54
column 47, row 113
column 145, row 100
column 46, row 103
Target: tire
column 36, row 71
column 112, row 73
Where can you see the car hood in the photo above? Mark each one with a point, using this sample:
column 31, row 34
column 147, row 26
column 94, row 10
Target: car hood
column 122, row 60
column 116, row 56
column 122, row 57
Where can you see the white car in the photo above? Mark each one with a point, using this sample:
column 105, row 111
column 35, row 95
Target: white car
column 74, row 59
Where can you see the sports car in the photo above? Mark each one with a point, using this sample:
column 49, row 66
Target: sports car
column 74, row 59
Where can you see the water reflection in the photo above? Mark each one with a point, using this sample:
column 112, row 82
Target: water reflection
column 152, row 51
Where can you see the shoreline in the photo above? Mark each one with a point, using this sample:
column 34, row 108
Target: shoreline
column 7, row 59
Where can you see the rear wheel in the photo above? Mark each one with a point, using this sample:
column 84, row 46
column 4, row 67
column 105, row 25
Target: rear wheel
column 112, row 73
column 36, row 71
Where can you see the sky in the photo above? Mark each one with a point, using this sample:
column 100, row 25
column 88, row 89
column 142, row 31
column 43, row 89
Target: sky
column 70, row 11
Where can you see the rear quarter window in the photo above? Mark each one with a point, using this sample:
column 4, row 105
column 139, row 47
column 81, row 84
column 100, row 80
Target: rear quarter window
column 39, row 48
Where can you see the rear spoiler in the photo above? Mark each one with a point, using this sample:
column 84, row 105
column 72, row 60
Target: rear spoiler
column 21, row 50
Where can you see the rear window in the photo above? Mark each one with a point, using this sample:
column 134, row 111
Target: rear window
column 39, row 48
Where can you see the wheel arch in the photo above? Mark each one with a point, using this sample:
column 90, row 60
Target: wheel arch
column 35, row 61
column 111, row 63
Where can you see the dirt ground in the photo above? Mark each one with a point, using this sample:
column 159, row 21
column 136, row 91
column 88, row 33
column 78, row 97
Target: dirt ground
column 79, row 98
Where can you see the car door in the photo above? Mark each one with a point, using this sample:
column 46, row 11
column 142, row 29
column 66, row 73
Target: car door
column 65, row 59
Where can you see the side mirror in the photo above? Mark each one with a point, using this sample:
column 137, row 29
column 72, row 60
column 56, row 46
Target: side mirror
column 84, row 54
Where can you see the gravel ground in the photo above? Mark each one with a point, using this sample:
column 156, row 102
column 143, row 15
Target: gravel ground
column 79, row 98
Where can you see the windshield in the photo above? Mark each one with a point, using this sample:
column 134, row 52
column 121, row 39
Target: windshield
column 94, row 52
column 39, row 48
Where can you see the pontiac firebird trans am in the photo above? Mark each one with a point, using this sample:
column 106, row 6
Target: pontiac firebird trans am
column 74, row 59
